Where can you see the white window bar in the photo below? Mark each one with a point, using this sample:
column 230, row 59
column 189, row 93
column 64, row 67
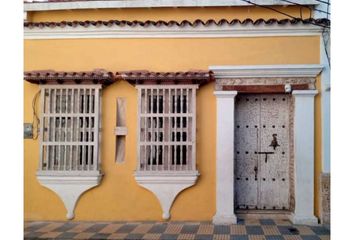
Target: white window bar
column 69, row 128
column 167, row 127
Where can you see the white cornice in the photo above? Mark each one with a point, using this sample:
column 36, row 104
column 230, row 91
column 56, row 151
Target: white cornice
column 47, row 6
column 258, row 71
column 201, row 31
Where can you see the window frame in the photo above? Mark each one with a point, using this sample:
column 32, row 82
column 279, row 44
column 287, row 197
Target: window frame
column 90, row 127
column 167, row 115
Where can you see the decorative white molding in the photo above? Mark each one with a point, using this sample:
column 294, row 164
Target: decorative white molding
column 262, row 71
column 121, row 131
column 45, row 6
column 200, row 31
column 166, row 186
column 304, row 157
column 225, row 101
column 69, row 188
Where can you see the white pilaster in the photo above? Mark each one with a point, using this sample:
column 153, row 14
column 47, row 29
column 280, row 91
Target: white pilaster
column 225, row 158
column 304, row 157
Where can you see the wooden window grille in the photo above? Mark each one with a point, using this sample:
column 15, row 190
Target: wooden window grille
column 167, row 123
column 69, row 128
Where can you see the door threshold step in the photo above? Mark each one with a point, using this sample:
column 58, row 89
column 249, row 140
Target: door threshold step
column 263, row 214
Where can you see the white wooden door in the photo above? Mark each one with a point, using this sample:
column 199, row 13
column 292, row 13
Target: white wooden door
column 262, row 151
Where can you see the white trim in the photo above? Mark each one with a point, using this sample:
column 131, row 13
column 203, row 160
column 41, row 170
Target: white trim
column 45, row 6
column 304, row 154
column 225, row 105
column 200, row 31
column 166, row 186
column 249, row 71
column 326, row 110
column 69, row 188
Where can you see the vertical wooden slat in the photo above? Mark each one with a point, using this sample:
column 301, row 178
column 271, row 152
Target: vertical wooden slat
column 66, row 126
column 139, row 129
column 158, row 129
column 41, row 133
column 175, row 128
column 193, row 128
column 169, row 160
column 181, row 129
column 89, row 129
column 151, row 125
column 146, row 127
column 96, row 137
column 71, row 130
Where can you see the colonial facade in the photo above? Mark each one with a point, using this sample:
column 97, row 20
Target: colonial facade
column 176, row 110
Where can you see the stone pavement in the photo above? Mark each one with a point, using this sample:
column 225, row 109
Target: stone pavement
column 249, row 229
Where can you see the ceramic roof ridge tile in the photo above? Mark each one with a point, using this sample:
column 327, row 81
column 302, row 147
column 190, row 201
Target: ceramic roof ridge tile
column 171, row 23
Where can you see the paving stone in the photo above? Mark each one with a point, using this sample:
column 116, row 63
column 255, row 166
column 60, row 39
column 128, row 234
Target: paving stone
column 254, row 230
column 152, row 236
column 96, row 228
column 134, row 236
column 185, row 236
column 238, row 237
column 267, row 222
column 238, row 230
column 221, row 229
column 126, row 228
column 158, row 228
column 169, row 236
column 270, row 230
column 274, row 237
column 190, row 229
column 205, row 229
column 221, row 237
column 320, row 230
column 67, row 235
column 309, row 237
column 111, row 228
column 66, row 227
column 117, row 236
column 100, row 236
column 288, row 230
column 203, row 237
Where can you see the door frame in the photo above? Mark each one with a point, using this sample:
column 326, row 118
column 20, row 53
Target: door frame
column 290, row 166
column 299, row 80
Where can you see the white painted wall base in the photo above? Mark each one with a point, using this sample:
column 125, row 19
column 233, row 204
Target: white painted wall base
column 69, row 188
column 307, row 220
column 166, row 186
column 224, row 219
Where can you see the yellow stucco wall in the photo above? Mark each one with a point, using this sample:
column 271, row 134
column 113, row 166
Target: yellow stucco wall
column 166, row 14
column 118, row 197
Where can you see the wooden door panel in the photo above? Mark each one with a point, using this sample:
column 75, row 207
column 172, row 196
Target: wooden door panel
column 274, row 113
column 246, row 143
column 257, row 118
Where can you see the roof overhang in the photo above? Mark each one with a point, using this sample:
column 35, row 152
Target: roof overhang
column 39, row 5
column 172, row 29
column 267, row 71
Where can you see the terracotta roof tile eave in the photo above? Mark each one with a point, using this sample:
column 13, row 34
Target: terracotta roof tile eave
column 171, row 23
column 133, row 77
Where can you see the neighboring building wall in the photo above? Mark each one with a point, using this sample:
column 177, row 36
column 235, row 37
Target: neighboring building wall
column 119, row 197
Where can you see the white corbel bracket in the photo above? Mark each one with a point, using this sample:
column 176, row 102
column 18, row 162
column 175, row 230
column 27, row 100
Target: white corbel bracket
column 166, row 186
column 69, row 188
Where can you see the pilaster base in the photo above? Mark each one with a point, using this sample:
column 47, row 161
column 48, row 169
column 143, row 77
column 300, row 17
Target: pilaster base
column 224, row 219
column 303, row 220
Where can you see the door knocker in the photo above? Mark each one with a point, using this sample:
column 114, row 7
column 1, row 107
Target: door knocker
column 274, row 142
